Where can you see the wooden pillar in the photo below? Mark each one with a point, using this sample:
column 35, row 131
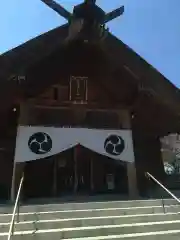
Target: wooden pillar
column 75, row 170
column 132, row 180
column 92, row 172
column 55, row 166
column 125, row 119
column 18, row 168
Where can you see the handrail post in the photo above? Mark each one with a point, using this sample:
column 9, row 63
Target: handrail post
column 11, row 229
column 12, row 232
column 18, row 206
column 164, row 210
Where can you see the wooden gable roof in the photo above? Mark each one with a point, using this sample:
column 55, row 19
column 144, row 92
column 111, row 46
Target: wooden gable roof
column 17, row 61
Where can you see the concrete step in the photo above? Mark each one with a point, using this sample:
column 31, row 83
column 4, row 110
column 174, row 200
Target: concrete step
column 88, row 205
column 84, row 213
column 85, row 222
column 161, row 235
column 93, row 231
column 138, row 219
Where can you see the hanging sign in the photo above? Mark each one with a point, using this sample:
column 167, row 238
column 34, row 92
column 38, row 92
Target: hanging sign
column 78, row 89
column 40, row 142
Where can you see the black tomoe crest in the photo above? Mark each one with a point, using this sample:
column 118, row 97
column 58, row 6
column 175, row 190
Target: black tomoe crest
column 40, row 143
column 114, row 145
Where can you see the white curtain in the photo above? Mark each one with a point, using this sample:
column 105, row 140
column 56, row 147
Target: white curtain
column 40, row 142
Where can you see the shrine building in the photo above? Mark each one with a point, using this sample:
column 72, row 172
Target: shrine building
column 82, row 113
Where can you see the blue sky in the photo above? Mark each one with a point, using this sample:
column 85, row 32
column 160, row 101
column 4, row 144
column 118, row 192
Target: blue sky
column 150, row 27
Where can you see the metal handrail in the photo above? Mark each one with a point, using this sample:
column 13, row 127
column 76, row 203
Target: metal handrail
column 15, row 208
column 162, row 186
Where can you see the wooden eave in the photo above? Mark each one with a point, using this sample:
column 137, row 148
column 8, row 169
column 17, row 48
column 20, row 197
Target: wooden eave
column 147, row 77
column 17, row 60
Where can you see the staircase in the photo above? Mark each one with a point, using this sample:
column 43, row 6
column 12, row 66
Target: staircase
column 131, row 220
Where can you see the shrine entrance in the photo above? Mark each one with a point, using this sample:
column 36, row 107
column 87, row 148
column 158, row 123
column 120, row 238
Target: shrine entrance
column 72, row 173
column 77, row 171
